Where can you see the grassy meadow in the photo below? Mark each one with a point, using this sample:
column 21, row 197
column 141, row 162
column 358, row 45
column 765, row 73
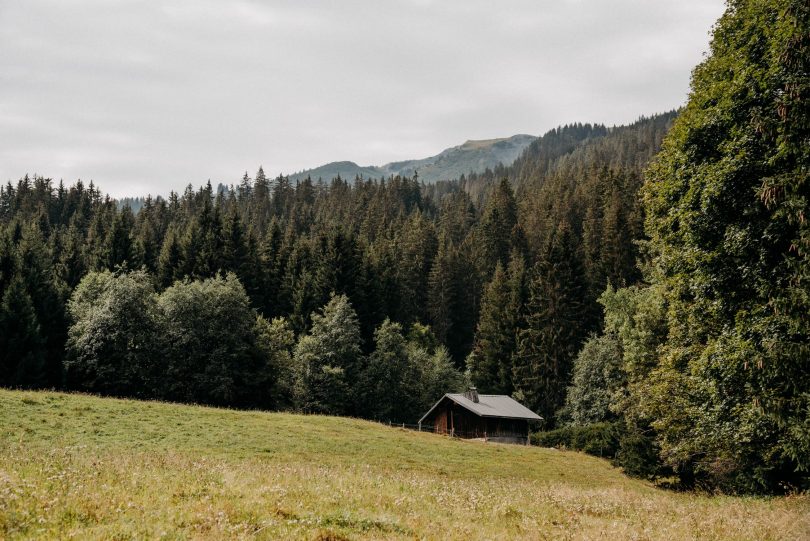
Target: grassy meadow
column 75, row 466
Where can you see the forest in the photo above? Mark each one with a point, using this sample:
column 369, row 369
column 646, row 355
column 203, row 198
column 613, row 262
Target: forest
column 642, row 286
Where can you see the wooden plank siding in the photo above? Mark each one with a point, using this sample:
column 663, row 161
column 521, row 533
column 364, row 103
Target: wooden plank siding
column 450, row 418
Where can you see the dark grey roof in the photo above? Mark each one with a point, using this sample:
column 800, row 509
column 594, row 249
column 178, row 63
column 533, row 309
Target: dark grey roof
column 490, row 405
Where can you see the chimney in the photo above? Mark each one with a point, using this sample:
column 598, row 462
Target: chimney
column 472, row 394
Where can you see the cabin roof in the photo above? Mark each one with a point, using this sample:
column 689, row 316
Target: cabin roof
column 489, row 405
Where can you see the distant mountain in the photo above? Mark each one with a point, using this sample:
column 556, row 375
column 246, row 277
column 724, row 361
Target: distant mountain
column 346, row 170
column 472, row 156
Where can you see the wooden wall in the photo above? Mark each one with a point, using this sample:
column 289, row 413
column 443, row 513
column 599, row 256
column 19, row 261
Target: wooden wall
column 450, row 418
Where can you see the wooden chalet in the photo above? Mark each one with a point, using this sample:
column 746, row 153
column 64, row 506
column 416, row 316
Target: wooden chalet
column 491, row 417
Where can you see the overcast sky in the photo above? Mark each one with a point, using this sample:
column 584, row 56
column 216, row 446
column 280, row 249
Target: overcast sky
column 147, row 96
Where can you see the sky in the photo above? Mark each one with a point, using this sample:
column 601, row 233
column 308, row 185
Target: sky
column 149, row 96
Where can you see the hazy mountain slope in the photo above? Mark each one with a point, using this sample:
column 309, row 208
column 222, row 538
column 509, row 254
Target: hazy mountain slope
column 346, row 170
column 472, row 156
column 569, row 150
column 451, row 163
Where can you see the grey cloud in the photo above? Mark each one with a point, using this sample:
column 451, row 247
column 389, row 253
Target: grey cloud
column 148, row 96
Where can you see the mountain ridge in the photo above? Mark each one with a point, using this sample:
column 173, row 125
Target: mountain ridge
column 474, row 155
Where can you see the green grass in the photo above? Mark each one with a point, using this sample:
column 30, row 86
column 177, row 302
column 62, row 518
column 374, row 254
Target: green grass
column 98, row 468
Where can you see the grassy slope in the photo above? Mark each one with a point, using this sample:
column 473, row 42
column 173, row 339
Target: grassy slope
column 104, row 468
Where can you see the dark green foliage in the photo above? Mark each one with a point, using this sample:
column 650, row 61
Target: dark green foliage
column 328, row 361
column 170, row 261
column 437, row 375
column 598, row 439
column 497, row 226
column 211, row 352
column 554, row 327
column 391, row 380
column 26, row 263
column 634, row 452
column 22, row 348
column 276, row 341
column 639, row 456
column 597, row 378
column 490, row 363
column 404, row 376
column 727, row 201
column 119, row 248
column 195, row 342
column 112, row 347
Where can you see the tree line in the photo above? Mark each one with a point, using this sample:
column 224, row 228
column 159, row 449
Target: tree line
column 200, row 341
column 397, row 251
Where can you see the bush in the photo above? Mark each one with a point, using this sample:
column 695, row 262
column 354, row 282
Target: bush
column 628, row 449
column 598, row 439
column 638, row 456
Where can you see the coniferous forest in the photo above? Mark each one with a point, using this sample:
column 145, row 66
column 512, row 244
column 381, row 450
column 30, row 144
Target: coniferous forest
column 643, row 288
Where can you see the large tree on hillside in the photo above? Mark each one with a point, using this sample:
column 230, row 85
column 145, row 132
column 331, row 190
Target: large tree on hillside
column 22, row 348
column 111, row 346
column 727, row 202
column 211, row 350
column 497, row 225
column 328, row 360
column 490, row 362
column 554, row 326
column 391, row 380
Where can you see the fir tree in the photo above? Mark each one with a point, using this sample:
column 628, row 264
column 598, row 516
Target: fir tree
column 553, row 327
column 22, row 348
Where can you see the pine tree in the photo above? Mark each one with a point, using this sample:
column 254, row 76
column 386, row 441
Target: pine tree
column 494, row 337
column 48, row 294
column 235, row 256
column 390, row 381
column 442, row 291
column 71, row 265
column 497, row 223
column 170, row 261
column 272, row 264
column 553, row 327
column 415, row 247
column 22, row 348
column 119, row 246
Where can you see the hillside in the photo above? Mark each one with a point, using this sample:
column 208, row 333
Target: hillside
column 74, row 465
column 451, row 163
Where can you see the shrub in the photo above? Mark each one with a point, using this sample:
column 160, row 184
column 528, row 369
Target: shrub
column 598, row 439
column 631, row 450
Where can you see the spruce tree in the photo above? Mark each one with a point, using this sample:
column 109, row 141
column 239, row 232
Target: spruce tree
column 119, row 246
column 553, row 328
column 390, row 381
column 495, row 335
column 497, row 223
column 170, row 261
column 442, row 290
column 22, row 347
